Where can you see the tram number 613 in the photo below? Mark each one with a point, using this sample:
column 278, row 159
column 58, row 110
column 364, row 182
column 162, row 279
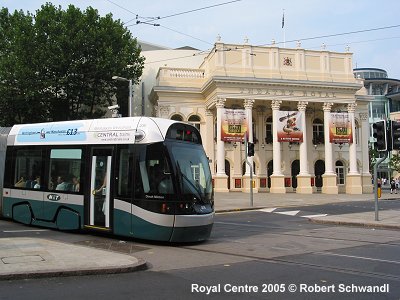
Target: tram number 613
column 72, row 131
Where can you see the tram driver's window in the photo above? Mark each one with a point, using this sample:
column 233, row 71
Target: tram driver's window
column 152, row 174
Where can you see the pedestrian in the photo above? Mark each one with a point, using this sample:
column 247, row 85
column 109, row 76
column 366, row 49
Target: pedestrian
column 393, row 186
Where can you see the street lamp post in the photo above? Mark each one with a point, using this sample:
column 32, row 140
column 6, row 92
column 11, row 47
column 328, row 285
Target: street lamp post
column 130, row 92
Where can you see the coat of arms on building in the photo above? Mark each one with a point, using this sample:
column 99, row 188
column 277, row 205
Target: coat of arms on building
column 287, row 61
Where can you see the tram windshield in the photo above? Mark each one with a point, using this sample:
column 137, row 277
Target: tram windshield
column 192, row 171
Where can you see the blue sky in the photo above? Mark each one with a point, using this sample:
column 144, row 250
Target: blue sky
column 261, row 21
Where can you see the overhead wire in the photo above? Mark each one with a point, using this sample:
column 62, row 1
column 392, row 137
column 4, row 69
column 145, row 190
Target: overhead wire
column 336, row 34
column 255, row 51
column 184, row 12
column 198, row 9
column 186, row 35
column 153, row 19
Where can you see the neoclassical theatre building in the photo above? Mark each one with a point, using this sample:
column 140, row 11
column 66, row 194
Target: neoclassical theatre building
column 269, row 85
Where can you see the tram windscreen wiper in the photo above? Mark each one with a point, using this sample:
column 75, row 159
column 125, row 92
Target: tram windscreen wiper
column 191, row 184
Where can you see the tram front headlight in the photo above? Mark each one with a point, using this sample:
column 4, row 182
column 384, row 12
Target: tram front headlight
column 185, row 207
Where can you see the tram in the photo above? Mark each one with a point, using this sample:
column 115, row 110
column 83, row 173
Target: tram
column 140, row 177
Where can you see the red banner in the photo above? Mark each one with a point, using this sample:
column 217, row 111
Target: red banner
column 340, row 129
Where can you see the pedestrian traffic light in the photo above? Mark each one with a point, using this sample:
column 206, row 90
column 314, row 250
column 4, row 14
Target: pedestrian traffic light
column 395, row 135
column 250, row 149
column 380, row 135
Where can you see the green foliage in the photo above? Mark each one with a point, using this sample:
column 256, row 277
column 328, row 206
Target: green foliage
column 373, row 156
column 57, row 64
column 394, row 162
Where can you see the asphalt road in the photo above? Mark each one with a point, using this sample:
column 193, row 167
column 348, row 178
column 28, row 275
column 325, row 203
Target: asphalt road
column 260, row 254
column 348, row 207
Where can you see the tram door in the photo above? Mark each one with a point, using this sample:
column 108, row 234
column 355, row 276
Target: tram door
column 99, row 206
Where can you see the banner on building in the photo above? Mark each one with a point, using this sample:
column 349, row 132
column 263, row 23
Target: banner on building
column 340, row 129
column 290, row 126
column 234, row 125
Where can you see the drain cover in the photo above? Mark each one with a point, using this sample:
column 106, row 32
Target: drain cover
column 21, row 259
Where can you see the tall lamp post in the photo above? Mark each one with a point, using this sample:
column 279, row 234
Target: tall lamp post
column 130, row 92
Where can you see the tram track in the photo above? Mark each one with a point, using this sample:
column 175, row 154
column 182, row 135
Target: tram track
column 397, row 243
column 304, row 264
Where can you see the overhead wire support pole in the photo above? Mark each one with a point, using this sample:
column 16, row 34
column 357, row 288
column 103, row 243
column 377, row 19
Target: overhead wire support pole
column 283, row 27
column 251, row 171
column 378, row 162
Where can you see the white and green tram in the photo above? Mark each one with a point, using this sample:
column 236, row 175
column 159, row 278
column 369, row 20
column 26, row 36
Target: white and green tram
column 139, row 177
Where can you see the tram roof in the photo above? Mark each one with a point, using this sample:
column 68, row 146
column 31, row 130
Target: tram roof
column 126, row 130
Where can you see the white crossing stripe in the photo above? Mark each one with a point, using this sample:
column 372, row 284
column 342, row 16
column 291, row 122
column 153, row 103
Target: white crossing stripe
column 358, row 257
column 268, row 210
column 28, row 230
column 289, row 213
column 315, row 216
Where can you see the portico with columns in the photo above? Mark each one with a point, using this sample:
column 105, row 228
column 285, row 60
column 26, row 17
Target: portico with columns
column 263, row 81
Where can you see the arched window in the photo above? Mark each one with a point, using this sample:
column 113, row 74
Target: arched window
column 318, row 131
column 177, row 117
column 268, row 130
column 195, row 121
column 340, row 172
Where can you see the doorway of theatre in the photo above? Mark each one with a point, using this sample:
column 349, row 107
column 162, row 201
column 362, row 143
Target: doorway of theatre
column 295, row 172
column 319, row 170
column 270, row 170
column 228, row 172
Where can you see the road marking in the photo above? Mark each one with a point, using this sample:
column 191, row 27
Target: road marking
column 358, row 257
column 289, row 213
column 28, row 230
column 240, row 224
column 315, row 216
column 268, row 210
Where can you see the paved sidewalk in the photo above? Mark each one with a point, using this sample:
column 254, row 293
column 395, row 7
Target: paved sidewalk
column 36, row 257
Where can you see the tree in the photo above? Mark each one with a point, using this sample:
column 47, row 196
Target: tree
column 373, row 156
column 394, row 162
column 58, row 64
column 18, row 80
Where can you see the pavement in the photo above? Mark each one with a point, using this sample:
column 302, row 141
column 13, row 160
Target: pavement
column 31, row 257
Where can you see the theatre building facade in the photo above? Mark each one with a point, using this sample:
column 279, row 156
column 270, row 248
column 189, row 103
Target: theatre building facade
column 303, row 109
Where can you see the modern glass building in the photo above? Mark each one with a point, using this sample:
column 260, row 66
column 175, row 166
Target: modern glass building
column 385, row 100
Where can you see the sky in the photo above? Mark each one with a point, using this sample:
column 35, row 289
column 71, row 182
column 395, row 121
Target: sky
column 313, row 22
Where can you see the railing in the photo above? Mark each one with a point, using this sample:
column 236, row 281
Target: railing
column 182, row 73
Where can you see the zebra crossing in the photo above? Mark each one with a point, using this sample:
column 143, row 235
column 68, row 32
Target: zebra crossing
column 297, row 213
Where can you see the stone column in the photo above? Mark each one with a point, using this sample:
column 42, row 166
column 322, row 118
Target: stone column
column 262, row 173
column 209, row 139
column 220, row 179
column 248, row 106
column 367, row 186
column 351, row 107
column 277, row 178
column 329, row 185
column 304, row 177
column 353, row 178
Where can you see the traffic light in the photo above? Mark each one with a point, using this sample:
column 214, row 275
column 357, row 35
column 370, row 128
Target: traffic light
column 380, row 135
column 250, row 149
column 395, row 135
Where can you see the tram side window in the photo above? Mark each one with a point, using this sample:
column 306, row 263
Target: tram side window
column 65, row 169
column 124, row 175
column 28, row 169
